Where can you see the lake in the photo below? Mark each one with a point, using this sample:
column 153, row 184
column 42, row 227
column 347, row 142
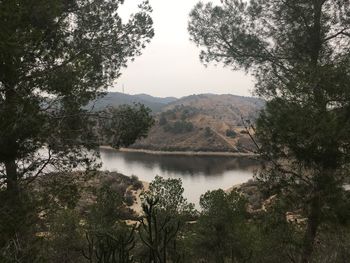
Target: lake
column 198, row 173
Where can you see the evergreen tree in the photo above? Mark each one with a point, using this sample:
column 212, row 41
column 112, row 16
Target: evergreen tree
column 220, row 230
column 298, row 52
column 55, row 56
column 162, row 228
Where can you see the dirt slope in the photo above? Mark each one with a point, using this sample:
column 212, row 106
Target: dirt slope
column 204, row 123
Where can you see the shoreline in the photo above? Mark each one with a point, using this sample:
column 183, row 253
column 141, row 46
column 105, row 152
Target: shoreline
column 179, row 153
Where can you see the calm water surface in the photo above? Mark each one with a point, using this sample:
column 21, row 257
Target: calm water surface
column 198, row 173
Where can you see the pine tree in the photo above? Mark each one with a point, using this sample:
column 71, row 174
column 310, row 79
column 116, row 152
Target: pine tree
column 298, row 51
column 55, row 57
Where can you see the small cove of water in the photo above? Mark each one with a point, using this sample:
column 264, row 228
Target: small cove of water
column 198, row 173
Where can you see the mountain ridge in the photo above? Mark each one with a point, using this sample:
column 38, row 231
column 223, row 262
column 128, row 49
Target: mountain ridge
column 115, row 99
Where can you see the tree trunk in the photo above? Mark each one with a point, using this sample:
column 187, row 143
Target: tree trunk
column 311, row 231
column 12, row 178
column 11, row 207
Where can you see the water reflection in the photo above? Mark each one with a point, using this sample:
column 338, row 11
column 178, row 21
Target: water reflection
column 198, row 173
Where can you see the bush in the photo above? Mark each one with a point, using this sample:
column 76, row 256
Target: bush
column 231, row 133
column 208, row 132
column 136, row 183
column 129, row 198
column 188, row 112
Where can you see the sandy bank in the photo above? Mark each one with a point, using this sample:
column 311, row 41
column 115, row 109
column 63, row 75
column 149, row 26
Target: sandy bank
column 137, row 206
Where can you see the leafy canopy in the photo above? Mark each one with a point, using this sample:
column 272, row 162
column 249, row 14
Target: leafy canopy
column 56, row 56
column 298, row 52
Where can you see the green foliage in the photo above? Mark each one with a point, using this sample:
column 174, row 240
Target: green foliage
column 106, row 210
column 298, row 52
column 333, row 245
column 65, row 240
column 55, row 57
column 111, row 246
column 61, row 189
column 23, row 246
column 169, row 229
column 208, row 132
column 159, row 232
column 273, row 238
column 136, row 183
column 231, row 133
column 169, row 196
column 166, row 213
column 177, row 126
column 187, row 112
column 123, row 125
column 50, row 69
column 220, row 230
column 108, row 239
column 129, row 198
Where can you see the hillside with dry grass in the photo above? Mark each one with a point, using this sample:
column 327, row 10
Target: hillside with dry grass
column 204, row 123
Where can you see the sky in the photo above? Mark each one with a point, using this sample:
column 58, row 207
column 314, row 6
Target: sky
column 170, row 65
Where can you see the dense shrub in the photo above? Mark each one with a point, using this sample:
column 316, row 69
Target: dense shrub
column 129, row 198
column 136, row 183
column 208, row 132
column 231, row 133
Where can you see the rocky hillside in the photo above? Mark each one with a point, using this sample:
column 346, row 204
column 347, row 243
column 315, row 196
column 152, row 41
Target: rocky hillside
column 203, row 123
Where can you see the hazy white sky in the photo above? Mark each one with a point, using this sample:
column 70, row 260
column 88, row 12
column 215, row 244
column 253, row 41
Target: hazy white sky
column 170, row 66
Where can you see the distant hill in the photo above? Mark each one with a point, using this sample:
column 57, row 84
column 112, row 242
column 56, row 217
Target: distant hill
column 150, row 98
column 203, row 122
column 114, row 99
